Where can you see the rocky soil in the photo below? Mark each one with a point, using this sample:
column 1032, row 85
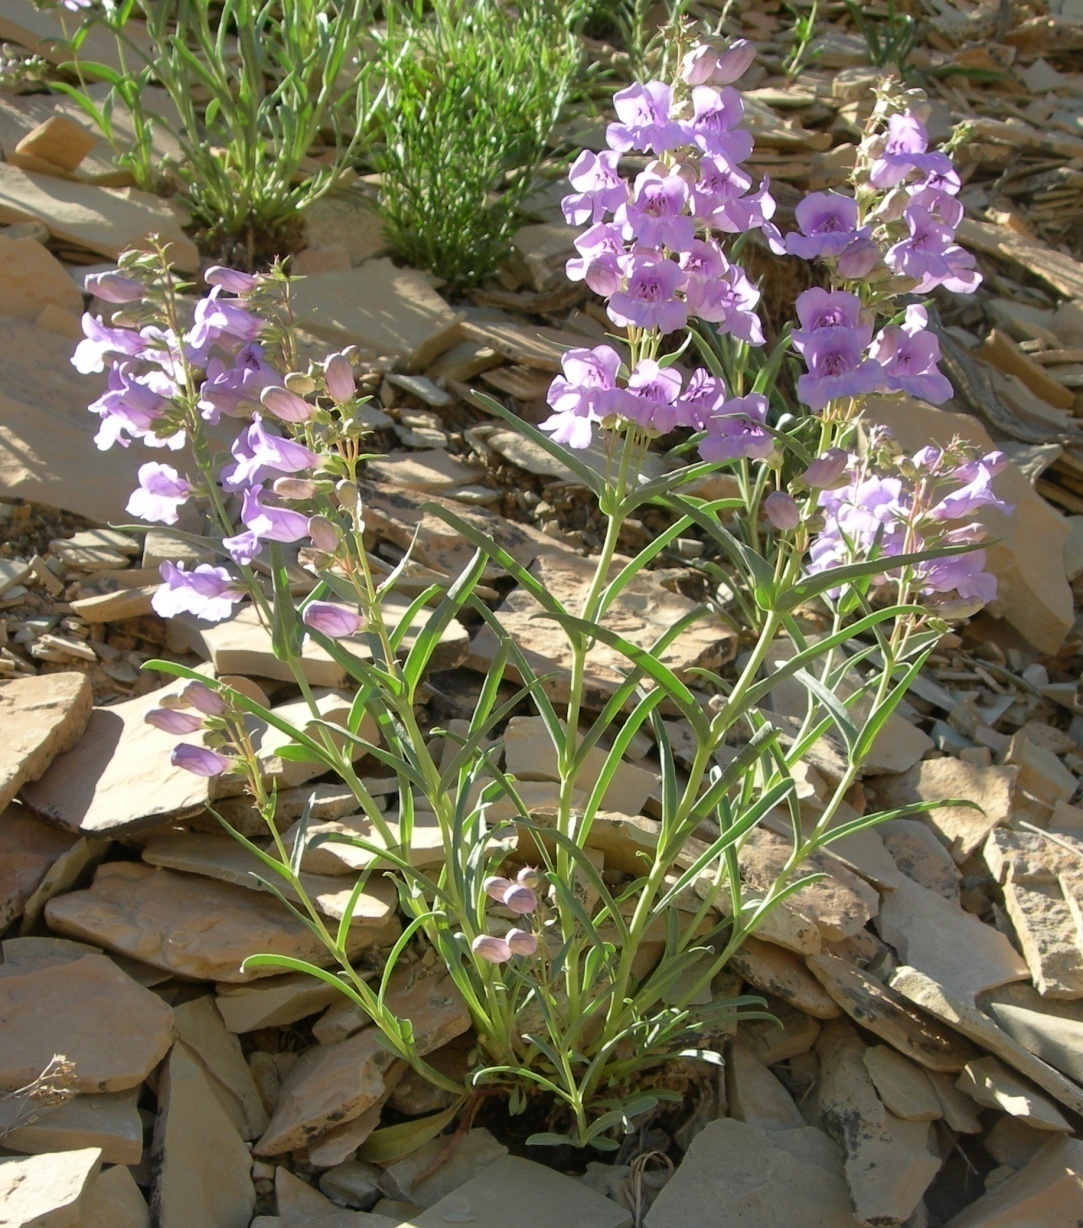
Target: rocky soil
column 926, row 1066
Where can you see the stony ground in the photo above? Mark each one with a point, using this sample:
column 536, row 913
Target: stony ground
column 928, row 1069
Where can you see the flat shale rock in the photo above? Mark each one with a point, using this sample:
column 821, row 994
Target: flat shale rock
column 888, row 1163
column 87, row 1009
column 902, row 1085
column 978, row 1027
column 890, row 1016
column 528, row 1194
column 115, row 1199
column 28, row 848
column 203, row 1167
column 1056, row 1039
column 994, row 1086
column 109, row 1121
column 47, row 1191
column 118, row 778
column 643, row 612
column 336, row 1083
column 755, row 1096
column 42, row 717
column 921, row 856
column 738, row 1176
column 33, row 278
column 188, row 925
column 380, row 307
column 962, row 828
column 1048, row 1193
column 273, row 1002
column 951, row 946
column 781, row 973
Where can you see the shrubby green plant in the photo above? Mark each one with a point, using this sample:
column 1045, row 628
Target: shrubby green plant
column 550, row 956
column 473, row 92
column 254, row 83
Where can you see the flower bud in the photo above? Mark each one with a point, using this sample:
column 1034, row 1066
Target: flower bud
column 347, row 495
column 520, row 900
column 494, row 950
column 521, row 942
column 734, row 62
column 528, row 877
column 324, row 535
column 113, row 287
column 782, row 511
column 699, row 64
column 295, row 488
column 495, row 887
column 200, row 760
column 827, row 471
column 201, row 697
column 303, row 385
column 338, row 375
column 233, row 281
column 285, row 405
column 333, row 620
column 171, row 721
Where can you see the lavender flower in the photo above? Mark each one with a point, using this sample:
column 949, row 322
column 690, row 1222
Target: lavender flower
column 338, row 376
column 335, row 621
column 828, row 223
column 161, row 491
column 703, row 65
column 235, row 389
column 781, row 510
column 207, row 592
column 495, row 886
column 267, row 522
column 100, row 341
column 713, row 126
column 827, row 470
column 233, row 281
column 649, row 299
column 599, row 189
column 654, row 217
column 519, row 899
column 837, row 367
column 200, row 760
column 582, row 395
column 113, row 287
column 286, row 405
column 650, row 397
column 259, row 454
column 601, row 260
column 908, row 354
column 930, row 257
column 203, row 699
column 491, row 949
column 172, row 721
column 322, row 532
column 735, row 430
column 521, row 942
column 643, row 120
column 215, row 318
column 728, row 300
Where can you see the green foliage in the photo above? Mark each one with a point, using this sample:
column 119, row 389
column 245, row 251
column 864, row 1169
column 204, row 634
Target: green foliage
column 473, row 92
column 804, row 30
column 891, row 41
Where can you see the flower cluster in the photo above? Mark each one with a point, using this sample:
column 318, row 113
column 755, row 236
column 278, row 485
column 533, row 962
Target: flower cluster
column 895, row 505
column 168, row 378
column 519, row 896
column 196, row 708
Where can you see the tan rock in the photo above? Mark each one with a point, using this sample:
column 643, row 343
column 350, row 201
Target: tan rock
column 113, row 1030
column 902, row 1085
column 222, row 858
column 734, row 1174
column 341, row 1142
column 33, row 278
column 755, row 1096
column 888, row 1164
column 789, row 1033
column 1041, row 773
column 921, row 856
column 199, row 1026
column 888, row 1015
column 68, row 869
column 345, row 218
column 1054, row 1038
column 27, row 849
column 47, row 1191
column 327, row 856
column 103, row 220
column 962, row 828
column 273, row 1002
column 336, row 1083
column 1014, row 1143
column 539, row 1196
column 1048, row 1192
column 1033, row 594
column 115, row 1199
column 950, row 945
column 103, row 786
column 781, row 973
column 411, row 1180
column 42, row 717
column 959, row 1112
column 433, row 471
column 977, row 1026
column 189, row 925
column 993, row 1086
column 203, row 1167
column 643, row 612
column 1002, row 352
column 379, row 307
column 109, row 1121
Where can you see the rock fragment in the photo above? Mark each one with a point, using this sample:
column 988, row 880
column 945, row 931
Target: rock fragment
column 47, row 1191
column 42, row 717
column 1048, row 1192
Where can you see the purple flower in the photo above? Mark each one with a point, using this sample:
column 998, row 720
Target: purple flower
column 655, row 215
column 200, row 760
column 781, row 510
column 713, row 126
column 818, row 308
column 827, row 470
column 963, row 574
column 99, row 341
column 858, row 259
column 215, row 317
column 113, row 287
column 495, row 886
column 338, row 376
column 335, row 621
column 650, row 398
column 233, row 281
column 286, row 405
column 130, row 409
column 519, row 899
column 908, row 354
column 702, row 262
column 746, row 213
column 704, row 395
column 323, row 534
column 170, row 720
column 977, row 492
column 234, row 390
column 643, row 121
column 837, row 367
column 521, row 942
column 207, row 592
column 259, row 454
column 930, row 257
column 728, row 300
column 601, row 259
column 160, row 493
column 828, row 224
column 719, row 183
column 599, row 189
column 268, row 522
column 203, row 699
column 735, row 430
column 582, row 394
column 649, row 300
column 703, row 65
column 491, row 949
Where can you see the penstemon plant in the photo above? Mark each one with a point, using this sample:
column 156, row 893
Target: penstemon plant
column 553, row 958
